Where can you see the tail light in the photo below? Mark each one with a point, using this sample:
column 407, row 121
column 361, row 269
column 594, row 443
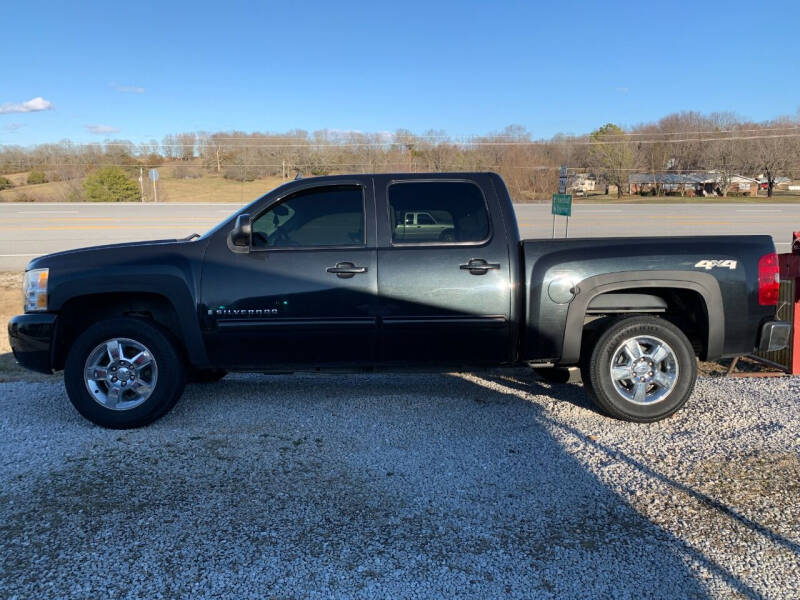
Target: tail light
column 769, row 280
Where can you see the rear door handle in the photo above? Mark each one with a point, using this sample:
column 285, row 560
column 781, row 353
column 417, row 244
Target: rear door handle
column 345, row 270
column 478, row 266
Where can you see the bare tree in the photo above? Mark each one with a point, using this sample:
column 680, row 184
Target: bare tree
column 681, row 142
column 687, row 152
column 186, row 142
column 436, row 150
column 656, row 157
column 724, row 154
column 613, row 155
column 774, row 154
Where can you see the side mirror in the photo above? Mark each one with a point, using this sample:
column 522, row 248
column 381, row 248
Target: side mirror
column 242, row 232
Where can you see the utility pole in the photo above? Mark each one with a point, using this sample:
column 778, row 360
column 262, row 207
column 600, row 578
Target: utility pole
column 153, row 173
column 141, row 182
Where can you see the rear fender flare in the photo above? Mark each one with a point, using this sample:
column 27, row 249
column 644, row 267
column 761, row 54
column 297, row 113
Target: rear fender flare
column 702, row 283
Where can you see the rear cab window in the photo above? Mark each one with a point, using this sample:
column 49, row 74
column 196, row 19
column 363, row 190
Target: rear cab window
column 437, row 212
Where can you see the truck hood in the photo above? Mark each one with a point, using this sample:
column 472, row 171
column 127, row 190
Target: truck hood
column 121, row 251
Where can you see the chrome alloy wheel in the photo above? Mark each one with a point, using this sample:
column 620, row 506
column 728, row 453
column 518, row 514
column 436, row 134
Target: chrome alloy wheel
column 644, row 369
column 120, row 374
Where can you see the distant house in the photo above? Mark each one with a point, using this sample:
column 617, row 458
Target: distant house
column 780, row 182
column 581, row 183
column 700, row 183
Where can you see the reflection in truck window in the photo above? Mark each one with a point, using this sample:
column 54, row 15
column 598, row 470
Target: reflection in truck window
column 437, row 212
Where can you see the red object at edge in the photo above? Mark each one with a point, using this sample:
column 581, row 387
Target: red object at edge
column 789, row 265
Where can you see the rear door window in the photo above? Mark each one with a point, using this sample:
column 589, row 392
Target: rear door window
column 446, row 212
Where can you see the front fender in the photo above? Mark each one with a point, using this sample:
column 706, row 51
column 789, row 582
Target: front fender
column 168, row 282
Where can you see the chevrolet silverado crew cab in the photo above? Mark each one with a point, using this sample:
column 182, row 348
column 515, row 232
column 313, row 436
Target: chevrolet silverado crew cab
column 392, row 271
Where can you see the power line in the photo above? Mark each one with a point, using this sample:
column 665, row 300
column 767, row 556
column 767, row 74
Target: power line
column 376, row 167
column 464, row 144
column 272, row 165
column 405, row 138
column 703, row 132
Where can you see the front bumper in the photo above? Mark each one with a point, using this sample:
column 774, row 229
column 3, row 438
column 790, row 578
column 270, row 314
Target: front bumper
column 775, row 335
column 31, row 336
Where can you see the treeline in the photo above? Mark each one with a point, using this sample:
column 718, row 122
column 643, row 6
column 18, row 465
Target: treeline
column 679, row 143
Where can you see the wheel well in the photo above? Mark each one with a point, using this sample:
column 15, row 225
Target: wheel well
column 79, row 313
column 686, row 309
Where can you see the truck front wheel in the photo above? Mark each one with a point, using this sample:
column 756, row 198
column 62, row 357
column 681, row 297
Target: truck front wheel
column 641, row 369
column 123, row 373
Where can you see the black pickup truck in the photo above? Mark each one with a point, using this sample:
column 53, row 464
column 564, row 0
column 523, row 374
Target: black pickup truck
column 392, row 271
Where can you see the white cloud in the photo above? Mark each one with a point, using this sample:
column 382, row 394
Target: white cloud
column 32, row 105
column 13, row 127
column 622, row 90
column 127, row 89
column 101, row 129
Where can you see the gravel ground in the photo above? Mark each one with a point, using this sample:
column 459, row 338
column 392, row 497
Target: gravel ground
column 407, row 486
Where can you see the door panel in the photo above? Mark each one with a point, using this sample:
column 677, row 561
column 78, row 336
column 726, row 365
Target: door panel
column 284, row 308
column 283, row 305
column 436, row 305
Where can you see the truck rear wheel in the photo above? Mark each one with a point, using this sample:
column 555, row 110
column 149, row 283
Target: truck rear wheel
column 641, row 369
column 123, row 373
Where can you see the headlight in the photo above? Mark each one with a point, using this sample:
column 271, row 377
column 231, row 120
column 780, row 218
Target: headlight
column 34, row 289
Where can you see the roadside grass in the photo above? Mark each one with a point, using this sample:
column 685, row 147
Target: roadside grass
column 55, row 191
column 200, row 189
column 215, row 188
column 18, row 178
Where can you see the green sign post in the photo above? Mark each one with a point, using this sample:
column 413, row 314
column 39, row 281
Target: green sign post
column 562, row 205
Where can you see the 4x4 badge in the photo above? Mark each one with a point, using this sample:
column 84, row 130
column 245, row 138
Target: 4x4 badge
column 708, row 264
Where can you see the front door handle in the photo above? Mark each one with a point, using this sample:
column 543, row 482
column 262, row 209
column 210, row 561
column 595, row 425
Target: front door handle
column 345, row 270
column 478, row 266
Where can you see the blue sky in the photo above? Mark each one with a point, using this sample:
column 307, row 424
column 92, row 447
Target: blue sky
column 140, row 70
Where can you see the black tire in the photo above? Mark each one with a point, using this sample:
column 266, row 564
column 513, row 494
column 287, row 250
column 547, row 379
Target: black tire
column 448, row 235
column 206, row 375
column 588, row 341
column 168, row 385
column 681, row 366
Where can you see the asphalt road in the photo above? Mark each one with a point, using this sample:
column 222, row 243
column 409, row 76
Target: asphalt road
column 29, row 230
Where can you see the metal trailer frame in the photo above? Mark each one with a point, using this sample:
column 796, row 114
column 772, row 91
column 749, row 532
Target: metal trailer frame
column 787, row 359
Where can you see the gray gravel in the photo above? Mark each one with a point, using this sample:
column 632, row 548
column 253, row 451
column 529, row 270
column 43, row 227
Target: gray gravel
column 408, row 486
